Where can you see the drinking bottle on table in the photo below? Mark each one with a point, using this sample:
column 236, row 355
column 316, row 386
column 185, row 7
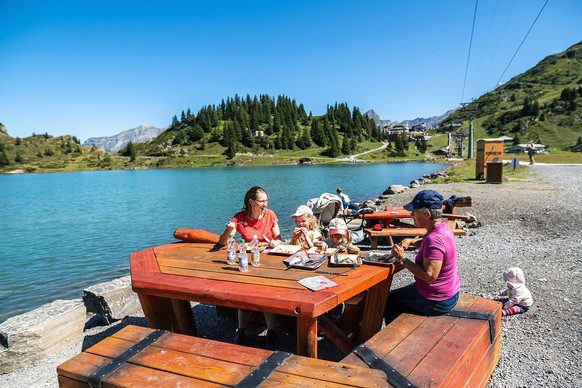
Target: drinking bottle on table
column 231, row 250
column 255, row 251
column 243, row 258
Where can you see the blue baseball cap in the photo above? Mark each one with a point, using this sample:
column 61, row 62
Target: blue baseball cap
column 429, row 199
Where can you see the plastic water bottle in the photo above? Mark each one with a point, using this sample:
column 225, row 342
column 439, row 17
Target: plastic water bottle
column 243, row 258
column 255, row 251
column 231, row 250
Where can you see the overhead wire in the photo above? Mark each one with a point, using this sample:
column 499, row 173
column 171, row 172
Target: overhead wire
column 523, row 40
column 484, row 45
column 470, row 45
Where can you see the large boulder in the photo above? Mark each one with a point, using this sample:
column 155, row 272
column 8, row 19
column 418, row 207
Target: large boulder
column 113, row 300
column 395, row 189
column 40, row 333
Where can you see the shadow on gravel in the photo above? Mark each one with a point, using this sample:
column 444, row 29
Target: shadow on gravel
column 216, row 328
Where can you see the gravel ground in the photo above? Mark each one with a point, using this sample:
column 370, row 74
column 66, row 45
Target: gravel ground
column 531, row 224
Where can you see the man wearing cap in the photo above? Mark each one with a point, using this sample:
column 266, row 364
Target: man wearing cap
column 436, row 286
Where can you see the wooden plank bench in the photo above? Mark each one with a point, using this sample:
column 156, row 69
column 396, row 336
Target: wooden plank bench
column 180, row 360
column 441, row 351
column 400, row 232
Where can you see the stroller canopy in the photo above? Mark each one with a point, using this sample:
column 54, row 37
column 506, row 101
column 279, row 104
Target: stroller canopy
column 325, row 208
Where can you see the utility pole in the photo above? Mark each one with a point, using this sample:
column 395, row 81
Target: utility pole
column 470, row 140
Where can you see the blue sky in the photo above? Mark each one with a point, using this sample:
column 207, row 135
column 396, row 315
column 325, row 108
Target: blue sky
column 98, row 68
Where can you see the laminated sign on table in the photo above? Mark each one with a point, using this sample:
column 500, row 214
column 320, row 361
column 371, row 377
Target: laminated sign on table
column 316, row 283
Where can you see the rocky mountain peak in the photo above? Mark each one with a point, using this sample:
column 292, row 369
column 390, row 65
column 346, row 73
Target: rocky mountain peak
column 113, row 144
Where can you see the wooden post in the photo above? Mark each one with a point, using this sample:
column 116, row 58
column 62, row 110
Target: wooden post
column 307, row 337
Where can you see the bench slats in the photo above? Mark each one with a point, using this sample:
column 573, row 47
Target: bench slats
column 441, row 351
column 180, row 360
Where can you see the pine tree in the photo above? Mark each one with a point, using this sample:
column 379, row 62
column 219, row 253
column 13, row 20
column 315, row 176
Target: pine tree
column 317, row 134
column 346, row 146
column 421, row 145
column 306, row 138
column 4, row 161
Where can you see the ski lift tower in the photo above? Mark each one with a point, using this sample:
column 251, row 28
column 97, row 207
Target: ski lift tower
column 470, row 145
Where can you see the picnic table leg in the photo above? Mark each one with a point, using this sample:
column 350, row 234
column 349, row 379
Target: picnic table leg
column 335, row 335
column 168, row 314
column 373, row 242
column 374, row 309
column 307, row 336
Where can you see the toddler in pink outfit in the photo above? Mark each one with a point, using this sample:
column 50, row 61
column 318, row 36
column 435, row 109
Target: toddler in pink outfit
column 516, row 297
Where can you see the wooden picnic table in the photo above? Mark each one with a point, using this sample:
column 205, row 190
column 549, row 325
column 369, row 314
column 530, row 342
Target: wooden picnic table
column 166, row 278
column 390, row 216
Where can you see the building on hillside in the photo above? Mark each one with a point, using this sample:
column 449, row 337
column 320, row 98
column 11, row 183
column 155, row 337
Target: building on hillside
column 506, row 139
column 422, row 127
column 519, row 148
column 258, row 133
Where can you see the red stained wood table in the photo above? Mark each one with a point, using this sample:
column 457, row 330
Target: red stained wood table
column 390, row 216
column 166, row 278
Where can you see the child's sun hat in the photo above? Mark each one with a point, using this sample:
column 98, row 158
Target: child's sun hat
column 338, row 226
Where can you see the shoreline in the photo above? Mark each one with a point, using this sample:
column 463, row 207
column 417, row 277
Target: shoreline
column 517, row 218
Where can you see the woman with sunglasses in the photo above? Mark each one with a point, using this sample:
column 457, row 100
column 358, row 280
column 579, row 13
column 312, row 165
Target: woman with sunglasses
column 255, row 220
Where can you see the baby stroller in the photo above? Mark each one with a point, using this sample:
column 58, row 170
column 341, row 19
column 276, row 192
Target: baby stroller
column 357, row 228
column 325, row 208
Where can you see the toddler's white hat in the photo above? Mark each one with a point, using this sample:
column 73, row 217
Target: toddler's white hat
column 301, row 210
column 514, row 276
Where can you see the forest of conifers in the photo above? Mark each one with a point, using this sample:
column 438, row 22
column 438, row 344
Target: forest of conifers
column 284, row 125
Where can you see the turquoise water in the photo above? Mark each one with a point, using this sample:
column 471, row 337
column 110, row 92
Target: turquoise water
column 62, row 232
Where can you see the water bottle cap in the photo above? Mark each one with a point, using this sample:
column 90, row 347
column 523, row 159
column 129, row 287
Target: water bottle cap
column 231, row 235
column 242, row 240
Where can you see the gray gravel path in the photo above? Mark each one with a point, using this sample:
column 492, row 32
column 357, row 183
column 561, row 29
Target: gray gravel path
column 532, row 224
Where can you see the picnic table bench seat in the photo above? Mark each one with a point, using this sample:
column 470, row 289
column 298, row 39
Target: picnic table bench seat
column 440, row 351
column 174, row 360
column 400, row 232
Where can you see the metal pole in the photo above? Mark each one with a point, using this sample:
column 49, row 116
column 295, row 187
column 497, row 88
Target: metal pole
column 470, row 155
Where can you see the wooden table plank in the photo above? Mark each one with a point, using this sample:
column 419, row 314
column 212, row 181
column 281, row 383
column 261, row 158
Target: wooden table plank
column 167, row 277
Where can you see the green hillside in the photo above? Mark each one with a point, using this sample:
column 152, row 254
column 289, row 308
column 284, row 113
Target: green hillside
column 239, row 131
column 48, row 153
column 542, row 105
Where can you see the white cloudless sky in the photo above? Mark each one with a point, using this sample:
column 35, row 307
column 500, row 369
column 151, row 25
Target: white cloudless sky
column 99, row 68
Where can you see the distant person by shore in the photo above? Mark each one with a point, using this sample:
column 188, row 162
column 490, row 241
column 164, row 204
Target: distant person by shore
column 531, row 151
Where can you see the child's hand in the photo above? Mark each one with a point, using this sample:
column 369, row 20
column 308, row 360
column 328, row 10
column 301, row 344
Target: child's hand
column 342, row 249
column 300, row 230
column 321, row 246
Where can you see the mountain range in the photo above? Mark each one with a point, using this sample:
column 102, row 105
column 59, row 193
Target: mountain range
column 113, row 144
column 431, row 122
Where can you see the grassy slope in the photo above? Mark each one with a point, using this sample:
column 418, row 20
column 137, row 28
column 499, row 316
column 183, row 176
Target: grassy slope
column 543, row 83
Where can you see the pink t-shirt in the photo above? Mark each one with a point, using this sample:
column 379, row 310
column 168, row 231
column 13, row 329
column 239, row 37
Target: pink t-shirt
column 261, row 227
column 439, row 244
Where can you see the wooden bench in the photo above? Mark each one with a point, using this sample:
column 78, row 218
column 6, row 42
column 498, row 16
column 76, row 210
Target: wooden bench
column 441, row 351
column 400, row 232
column 179, row 360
